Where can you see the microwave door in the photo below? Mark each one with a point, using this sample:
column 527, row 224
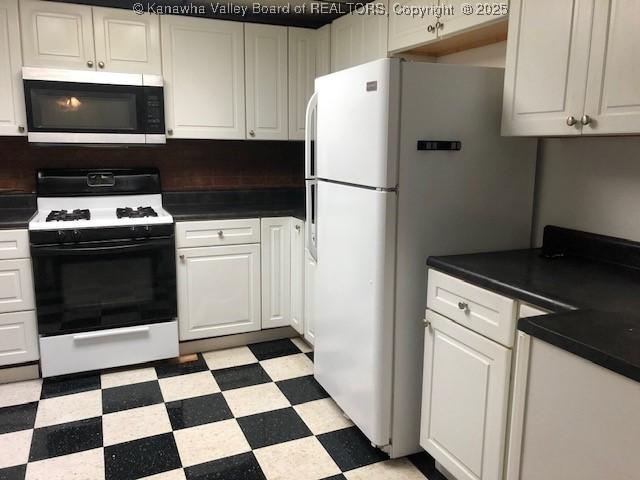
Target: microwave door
column 310, row 137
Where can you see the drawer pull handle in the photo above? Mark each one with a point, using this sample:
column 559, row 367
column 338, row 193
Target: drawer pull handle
column 220, row 233
column 110, row 333
column 463, row 306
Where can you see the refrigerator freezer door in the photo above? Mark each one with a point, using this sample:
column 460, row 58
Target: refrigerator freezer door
column 353, row 303
column 358, row 119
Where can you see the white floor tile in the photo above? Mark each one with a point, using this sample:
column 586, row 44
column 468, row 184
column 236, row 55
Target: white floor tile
column 291, row 366
column 127, row 425
column 127, row 377
column 302, row 345
column 170, row 475
column 187, row 386
column 322, row 416
column 14, row 448
column 296, row 460
column 69, row 408
column 212, row 441
column 20, row 392
column 255, row 399
column 88, row 465
column 400, row 469
column 231, row 357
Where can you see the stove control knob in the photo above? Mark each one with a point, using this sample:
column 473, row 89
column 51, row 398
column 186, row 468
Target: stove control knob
column 133, row 230
column 147, row 230
column 77, row 235
column 62, row 235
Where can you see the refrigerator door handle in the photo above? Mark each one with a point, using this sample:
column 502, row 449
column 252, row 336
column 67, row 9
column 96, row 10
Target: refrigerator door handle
column 309, row 133
column 312, row 219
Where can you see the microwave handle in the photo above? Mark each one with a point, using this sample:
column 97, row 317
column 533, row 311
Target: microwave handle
column 311, row 109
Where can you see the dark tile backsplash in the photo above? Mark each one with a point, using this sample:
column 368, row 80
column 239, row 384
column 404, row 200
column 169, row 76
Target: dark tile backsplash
column 183, row 164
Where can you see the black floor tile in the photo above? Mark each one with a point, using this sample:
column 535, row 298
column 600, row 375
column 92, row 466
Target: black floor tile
column 427, row 465
column 239, row 467
column 66, row 385
column 173, row 369
column 18, row 417
column 66, row 438
column 350, row 449
column 141, row 458
column 131, row 396
column 198, row 410
column 273, row 349
column 242, row 376
column 13, row 473
column 336, row 477
column 302, row 389
column 269, row 428
column 310, row 355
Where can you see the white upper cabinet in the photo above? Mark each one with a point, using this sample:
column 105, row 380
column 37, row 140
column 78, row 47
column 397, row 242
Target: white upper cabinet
column 12, row 116
column 323, row 50
column 203, row 69
column 575, row 75
column 613, row 85
column 126, row 42
column 266, row 82
column 58, row 35
column 302, row 74
column 374, row 32
column 407, row 31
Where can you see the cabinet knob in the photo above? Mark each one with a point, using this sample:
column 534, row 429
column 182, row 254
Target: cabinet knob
column 100, row 64
column 571, row 120
column 298, row 228
column 252, row 133
column 182, row 258
column 170, row 132
column 90, row 63
column 463, row 306
column 431, row 29
column 21, row 128
column 585, row 120
column 439, row 25
column 220, row 233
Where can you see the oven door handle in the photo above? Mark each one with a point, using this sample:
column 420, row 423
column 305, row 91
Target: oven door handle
column 80, row 249
column 109, row 333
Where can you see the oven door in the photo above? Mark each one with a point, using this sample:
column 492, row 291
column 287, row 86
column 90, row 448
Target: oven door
column 99, row 285
column 68, row 107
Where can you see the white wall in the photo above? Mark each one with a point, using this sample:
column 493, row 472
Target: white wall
column 590, row 184
column 488, row 56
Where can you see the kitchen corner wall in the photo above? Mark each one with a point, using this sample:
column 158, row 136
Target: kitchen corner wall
column 183, row 164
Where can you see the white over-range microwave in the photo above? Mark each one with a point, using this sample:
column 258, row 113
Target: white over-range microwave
column 71, row 106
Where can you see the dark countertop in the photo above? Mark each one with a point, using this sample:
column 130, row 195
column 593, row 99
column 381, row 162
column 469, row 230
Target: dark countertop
column 16, row 210
column 224, row 204
column 595, row 303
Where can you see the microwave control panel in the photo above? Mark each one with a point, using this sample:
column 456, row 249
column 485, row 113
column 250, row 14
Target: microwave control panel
column 154, row 109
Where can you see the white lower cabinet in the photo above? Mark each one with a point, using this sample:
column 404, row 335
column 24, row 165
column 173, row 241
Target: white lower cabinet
column 218, row 290
column 297, row 275
column 16, row 285
column 18, row 337
column 309, row 275
column 464, row 400
column 276, row 272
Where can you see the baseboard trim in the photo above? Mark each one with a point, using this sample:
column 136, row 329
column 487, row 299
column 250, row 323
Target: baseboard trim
column 20, row 373
column 237, row 340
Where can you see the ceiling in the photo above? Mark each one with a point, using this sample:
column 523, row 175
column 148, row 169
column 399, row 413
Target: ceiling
column 296, row 13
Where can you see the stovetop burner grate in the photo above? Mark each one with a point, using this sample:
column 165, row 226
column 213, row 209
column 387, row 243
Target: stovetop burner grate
column 139, row 212
column 65, row 216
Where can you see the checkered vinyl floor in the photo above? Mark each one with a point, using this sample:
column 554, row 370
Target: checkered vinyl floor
column 245, row 413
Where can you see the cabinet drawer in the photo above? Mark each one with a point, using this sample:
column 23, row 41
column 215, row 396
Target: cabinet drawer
column 14, row 244
column 18, row 337
column 81, row 352
column 480, row 310
column 217, row 232
column 16, row 285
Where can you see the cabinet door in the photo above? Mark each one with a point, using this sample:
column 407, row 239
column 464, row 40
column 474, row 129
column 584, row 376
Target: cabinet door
column 374, row 32
column 302, row 74
column 266, row 82
column 464, row 400
column 127, row 42
column 309, row 281
column 346, row 42
column 203, row 69
column 18, row 337
column 276, row 272
column 218, row 290
column 408, row 31
column 613, row 88
column 12, row 116
column 16, row 285
column 58, row 35
column 459, row 22
column 546, row 67
column 323, row 51
column 297, row 275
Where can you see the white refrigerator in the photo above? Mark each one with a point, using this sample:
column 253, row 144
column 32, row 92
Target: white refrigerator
column 378, row 206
